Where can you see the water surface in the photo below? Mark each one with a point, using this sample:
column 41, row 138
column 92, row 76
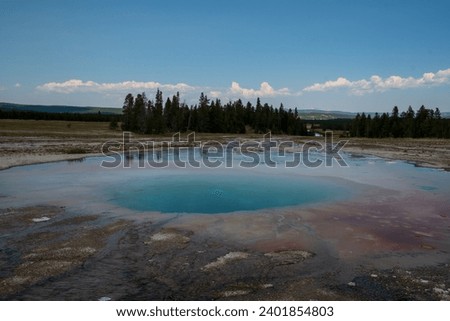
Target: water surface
column 86, row 184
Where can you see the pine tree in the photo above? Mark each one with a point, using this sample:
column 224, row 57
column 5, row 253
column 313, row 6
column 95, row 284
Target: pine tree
column 396, row 128
column 140, row 114
column 158, row 117
column 408, row 122
column 149, row 119
column 176, row 115
column 204, row 124
column 127, row 111
column 216, row 121
column 421, row 124
column 168, row 115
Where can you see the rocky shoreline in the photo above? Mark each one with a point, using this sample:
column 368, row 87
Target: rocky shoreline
column 58, row 142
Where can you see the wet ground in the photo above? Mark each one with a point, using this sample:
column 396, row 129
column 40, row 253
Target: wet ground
column 52, row 253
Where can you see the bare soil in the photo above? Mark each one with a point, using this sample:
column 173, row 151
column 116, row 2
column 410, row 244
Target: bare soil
column 422, row 152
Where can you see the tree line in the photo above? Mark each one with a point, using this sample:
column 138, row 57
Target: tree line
column 157, row 116
column 424, row 122
column 145, row 116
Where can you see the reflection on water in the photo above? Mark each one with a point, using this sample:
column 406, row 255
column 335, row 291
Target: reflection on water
column 76, row 160
column 181, row 190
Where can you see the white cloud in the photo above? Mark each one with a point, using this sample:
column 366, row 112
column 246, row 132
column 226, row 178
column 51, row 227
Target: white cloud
column 18, row 85
column 235, row 91
column 265, row 90
column 215, row 93
column 76, row 85
column 378, row 84
column 340, row 82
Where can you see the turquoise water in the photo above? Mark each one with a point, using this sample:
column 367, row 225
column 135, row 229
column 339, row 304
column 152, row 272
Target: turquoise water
column 222, row 193
column 87, row 186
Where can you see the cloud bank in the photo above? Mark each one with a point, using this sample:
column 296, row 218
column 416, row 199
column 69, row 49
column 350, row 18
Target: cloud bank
column 378, row 84
column 76, row 86
column 80, row 86
column 265, row 90
column 355, row 87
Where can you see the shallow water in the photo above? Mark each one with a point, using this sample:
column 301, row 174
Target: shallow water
column 372, row 214
column 209, row 190
column 221, row 192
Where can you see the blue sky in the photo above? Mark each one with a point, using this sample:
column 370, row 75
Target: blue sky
column 335, row 55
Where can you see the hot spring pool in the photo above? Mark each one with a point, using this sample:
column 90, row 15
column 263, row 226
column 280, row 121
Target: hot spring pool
column 87, row 186
column 86, row 232
column 222, row 193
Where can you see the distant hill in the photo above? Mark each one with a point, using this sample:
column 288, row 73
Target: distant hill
column 317, row 114
column 307, row 114
column 61, row 109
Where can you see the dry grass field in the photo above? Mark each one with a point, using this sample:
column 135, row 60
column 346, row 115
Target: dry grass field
column 25, row 142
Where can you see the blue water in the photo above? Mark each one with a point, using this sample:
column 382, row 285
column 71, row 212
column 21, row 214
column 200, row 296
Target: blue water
column 87, row 186
column 222, row 192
